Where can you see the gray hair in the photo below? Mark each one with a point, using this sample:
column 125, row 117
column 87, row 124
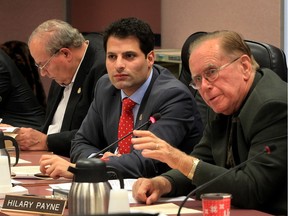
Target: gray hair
column 57, row 34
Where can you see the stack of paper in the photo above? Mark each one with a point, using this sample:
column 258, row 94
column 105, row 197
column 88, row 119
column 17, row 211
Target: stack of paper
column 16, row 190
column 9, row 131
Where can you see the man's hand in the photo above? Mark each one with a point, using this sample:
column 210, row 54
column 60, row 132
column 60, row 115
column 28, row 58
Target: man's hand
column 55, row 166
column 156, row 148
column 31, row 139
column 150, row 190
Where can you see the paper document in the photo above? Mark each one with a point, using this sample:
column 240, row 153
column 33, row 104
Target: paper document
column 8, row 129
column 27, row 172
column 128, row 183
column 115, row 184
column 166, row 208
column 16, row 190
column 161, row 199
column 20, row 161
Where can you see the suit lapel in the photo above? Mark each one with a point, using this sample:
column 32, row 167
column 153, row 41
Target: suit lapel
column 143, row 116
column 113, row 117
column 76, row 92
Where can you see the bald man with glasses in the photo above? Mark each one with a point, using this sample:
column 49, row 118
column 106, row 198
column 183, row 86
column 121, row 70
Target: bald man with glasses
column 74, row 64
column 248, row 111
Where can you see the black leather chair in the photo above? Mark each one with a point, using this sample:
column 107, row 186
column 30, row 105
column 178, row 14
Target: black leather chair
column 269, row 56
column 185, row 75
column 265, row 54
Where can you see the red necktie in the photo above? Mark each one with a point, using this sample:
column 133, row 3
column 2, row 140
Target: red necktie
column 126, row 125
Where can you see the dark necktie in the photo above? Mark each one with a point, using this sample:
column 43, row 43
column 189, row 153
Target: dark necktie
column 232, row 152
column 126, row 125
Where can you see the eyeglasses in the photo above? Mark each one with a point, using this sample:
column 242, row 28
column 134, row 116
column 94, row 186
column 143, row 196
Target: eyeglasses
column 210, row 75
column 40, row 68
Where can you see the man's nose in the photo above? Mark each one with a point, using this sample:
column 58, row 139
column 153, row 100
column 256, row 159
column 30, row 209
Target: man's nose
column 120, row 64
column 205, row 83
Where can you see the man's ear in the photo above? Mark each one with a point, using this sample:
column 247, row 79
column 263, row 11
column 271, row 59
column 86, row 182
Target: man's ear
column 151, row 57
column 246, row 65
column 66, row 52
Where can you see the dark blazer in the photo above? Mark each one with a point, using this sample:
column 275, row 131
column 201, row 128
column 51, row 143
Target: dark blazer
column 180, row 124
column 18, row 104
column 82, row 94
column 262, row 120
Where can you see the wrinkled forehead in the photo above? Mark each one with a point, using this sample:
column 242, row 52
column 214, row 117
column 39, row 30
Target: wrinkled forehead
column 205, row 47
column 40, row 39
column 38, row 49
column 204, row 52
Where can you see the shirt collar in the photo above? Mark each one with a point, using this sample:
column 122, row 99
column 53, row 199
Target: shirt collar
column 138, row 95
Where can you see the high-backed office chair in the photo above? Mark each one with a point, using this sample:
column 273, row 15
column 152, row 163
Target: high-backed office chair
column 269, row 56
column 185, row 75
column 265, row 54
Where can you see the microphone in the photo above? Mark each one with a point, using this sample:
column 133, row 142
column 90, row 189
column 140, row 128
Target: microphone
column 267, row 149
column 151, row 120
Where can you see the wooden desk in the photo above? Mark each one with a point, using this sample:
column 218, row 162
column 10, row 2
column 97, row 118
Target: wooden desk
column 39, row 187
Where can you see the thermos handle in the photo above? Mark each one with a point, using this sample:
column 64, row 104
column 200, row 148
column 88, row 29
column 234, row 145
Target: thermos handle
column 118, row 174
column 72, row 170
column 15, row 144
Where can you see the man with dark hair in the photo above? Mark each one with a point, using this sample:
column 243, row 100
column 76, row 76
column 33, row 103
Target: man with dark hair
column 132, row 75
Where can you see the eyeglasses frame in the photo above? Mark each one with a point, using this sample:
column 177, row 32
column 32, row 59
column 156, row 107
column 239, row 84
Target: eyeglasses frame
column 40, row 68
column 215, row 70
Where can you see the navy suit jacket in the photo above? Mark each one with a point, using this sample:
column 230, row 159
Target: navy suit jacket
column 18, row 105
column 82, row 94
column 180, row 124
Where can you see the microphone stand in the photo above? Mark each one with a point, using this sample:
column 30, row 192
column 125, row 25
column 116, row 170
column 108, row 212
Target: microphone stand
column 152, row 120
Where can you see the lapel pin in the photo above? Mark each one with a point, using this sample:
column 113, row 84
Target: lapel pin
column 79, row 90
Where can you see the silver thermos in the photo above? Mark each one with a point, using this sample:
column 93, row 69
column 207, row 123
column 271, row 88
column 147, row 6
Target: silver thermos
column 90, row 189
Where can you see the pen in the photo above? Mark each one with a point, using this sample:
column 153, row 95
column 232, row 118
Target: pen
column 116, row 151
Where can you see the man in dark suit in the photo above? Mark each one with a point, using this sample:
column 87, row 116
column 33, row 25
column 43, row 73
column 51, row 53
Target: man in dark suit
column 247, row 111
column 129, row 45
column 75, row 65
column 18, row 104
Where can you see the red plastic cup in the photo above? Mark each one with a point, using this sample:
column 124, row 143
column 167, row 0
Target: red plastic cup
column 216, row 204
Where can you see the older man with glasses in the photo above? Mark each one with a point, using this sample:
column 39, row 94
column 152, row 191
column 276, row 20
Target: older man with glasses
column 249, row 113
column 75, row 64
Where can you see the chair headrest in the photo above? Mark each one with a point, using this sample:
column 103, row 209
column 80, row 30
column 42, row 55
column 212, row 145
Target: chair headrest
column 185, row 48
column 269, row 56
